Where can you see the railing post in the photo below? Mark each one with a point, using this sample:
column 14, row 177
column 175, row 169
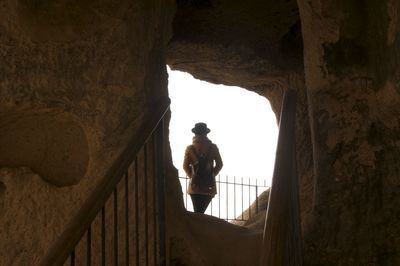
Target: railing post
column 127, row 233
column 282, row 234
column 249, row 199
column 234, row 197
column 137, row 233
column 116, row 226
column 256, row 197
column 227, row 200
column 155, row 201
column 103, row 236
column 146, row 207
column 161, row 192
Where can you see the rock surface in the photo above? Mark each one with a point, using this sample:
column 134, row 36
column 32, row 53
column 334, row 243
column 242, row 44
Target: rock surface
column 27, row 215
column 205, row 240
column 238, row 43
column 255, row 215
column 53, row 145
column 349, row 163
column 352, row 75
column 76, row 78
column 80, row 75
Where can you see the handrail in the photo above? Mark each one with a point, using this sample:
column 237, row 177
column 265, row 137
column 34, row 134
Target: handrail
column 282, row 232
column 74, row 231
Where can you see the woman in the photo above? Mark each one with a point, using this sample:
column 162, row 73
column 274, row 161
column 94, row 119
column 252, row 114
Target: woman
column 202, row 163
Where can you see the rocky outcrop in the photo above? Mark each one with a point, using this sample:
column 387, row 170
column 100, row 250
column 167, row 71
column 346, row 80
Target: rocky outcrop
column 254, row 216
column 205, row 240
column 254, row 44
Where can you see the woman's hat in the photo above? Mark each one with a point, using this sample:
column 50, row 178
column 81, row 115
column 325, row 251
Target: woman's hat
column 200, row 129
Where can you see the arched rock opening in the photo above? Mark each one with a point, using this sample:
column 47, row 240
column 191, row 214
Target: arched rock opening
column 348, row 164
column 248, row 45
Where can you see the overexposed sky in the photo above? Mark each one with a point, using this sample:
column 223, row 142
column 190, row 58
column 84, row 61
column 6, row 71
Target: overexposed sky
column 242, row 125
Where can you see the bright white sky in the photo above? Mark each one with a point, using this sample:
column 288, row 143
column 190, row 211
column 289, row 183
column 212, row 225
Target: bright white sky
column 242, row 125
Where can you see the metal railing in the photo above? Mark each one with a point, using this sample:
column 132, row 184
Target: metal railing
column 123, row 220
column 282, row 232
column 237, row 199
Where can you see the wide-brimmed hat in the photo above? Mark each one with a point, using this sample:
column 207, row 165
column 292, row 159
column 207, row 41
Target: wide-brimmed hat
column 200, row 129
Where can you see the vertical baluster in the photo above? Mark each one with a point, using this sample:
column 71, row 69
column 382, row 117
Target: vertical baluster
column 219, row 198
column 115, row 226
column 186, row 186
column 256, row 197
column 89, row 246
column 249, row 199
column 227, row 200
column 241, row 185
column 103, row 236
column 72, row 258
column 127, row 217
column 234, row 197
column 154, row 178
column 137, row 254
column 146, row 218
column 211, row 205
column 161, row 192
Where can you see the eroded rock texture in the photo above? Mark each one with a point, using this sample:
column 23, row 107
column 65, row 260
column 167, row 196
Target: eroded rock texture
column 53, row 145
column 352, row 73
column 254, row 44
column 350, row 199
column 75, row 79
column 28, row 219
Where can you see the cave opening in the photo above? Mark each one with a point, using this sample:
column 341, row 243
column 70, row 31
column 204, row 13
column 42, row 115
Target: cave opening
column 245, row 130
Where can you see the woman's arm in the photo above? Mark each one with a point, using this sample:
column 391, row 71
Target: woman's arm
column 187, row 162
column 218, row 161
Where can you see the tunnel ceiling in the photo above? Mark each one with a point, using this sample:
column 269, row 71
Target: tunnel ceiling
column 243, row 43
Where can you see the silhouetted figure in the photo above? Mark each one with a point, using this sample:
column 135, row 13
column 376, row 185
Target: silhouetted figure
column 202, row 163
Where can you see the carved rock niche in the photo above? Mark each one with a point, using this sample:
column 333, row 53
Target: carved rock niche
column 54, row 145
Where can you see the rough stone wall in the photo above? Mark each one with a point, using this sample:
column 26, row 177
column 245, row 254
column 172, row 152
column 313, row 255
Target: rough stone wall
column 352, row 77
column 75, row 78
column 350, row 91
